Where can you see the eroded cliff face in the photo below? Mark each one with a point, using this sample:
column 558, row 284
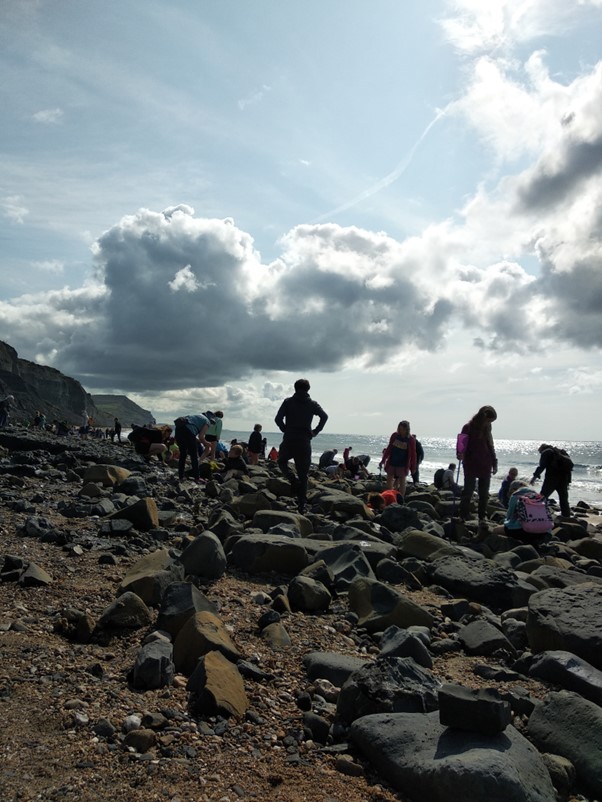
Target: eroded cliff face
column 41, row 388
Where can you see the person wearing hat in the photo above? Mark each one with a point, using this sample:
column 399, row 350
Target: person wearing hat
column 479, row 461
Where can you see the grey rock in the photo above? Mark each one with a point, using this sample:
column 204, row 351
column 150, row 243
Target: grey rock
column 181, row 600
column 391, row 684
column 425, row 761
column 154, row 666
column 127, row 611
column 379, row 606
column 346, row 562
column 568, row 725
column 308, row 595
column 336, row 668
column 570, row 672
column 396, row 642
column 264, row 553
column 481, row 710
column 481, row 637
column 204, row 557
column 480, row 580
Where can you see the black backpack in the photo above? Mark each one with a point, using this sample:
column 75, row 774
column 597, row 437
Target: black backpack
column 438, row 478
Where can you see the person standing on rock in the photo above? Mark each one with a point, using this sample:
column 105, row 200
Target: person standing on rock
column 214, row 432
column 117, row 429
column 480, row 463
column 190, row 431
column 255, row 444
column 294, row 419
column 399, row 458
column 558, row 467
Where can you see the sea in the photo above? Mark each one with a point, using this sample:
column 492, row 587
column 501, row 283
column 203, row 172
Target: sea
column 440, row 451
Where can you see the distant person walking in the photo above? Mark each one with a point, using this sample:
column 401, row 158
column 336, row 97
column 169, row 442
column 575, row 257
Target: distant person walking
column 558, row 467
column 255, row 445
column 117, row 429
column 480, row 462
column 5, row 408
column 190, row 431
column 419, row 458
column 294, row 419
column 399, row 458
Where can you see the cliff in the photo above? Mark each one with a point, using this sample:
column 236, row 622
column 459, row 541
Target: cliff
column 120, row 406
column 41, row 388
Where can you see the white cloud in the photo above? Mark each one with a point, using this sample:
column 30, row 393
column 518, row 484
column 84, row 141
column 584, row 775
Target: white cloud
column 184, row 280
column 12, row 208
column 50, row 265
column 48, row 116
column 254, row 97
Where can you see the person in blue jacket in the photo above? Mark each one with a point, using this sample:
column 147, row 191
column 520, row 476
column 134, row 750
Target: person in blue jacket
column 190, row 431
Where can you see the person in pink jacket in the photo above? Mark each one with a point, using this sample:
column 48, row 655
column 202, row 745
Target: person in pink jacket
column 399, row 457
column 479, row 461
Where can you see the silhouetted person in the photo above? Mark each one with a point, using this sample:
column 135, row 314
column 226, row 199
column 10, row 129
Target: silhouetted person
column 294, row 419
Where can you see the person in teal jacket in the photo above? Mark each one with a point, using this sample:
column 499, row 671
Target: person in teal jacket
column 214, row 432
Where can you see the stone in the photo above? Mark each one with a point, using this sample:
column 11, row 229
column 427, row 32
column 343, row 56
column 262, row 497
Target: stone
column 142, row 513
column 424, row 546
column 379, row 606
column 204, row 557
column 151, row 575
column 265, row 519
column 154, row 666
column 480, row 580
column 482, row 637
column 387, row 685
column 424, row 760
column 570, row 672
column 567, row 619
column 347, row 562
column 258, row 554
column 180, row 601
column 336, row 668
column 391, row 571
column 216, row 687
column 128, row 611
column 204, row 632
column 141, row 740
column 318, row 726
column 343, row 505
column 481, row 710
column 106, row 475
column 34, row 576
column 251, row 503
column 568, row 725
column 276, row 635
column 308, row 595
column 397, row 517
column 396, row 642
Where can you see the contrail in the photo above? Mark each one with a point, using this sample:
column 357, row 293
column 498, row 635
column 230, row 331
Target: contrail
column 387, row 180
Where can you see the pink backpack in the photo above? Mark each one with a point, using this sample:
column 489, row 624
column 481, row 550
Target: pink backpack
column 461, row 445
column 533, row 513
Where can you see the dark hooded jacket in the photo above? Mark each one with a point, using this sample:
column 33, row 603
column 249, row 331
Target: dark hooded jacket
column 295, row 416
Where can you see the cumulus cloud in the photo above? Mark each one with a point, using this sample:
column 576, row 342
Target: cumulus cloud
column 48, row 116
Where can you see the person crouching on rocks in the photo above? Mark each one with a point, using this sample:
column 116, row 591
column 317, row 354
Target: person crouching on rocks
column 399, row 458
column 190, row 431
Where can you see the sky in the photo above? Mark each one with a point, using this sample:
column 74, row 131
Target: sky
column 400, row 201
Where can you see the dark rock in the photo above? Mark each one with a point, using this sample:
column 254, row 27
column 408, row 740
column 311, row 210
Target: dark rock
column 481, row 710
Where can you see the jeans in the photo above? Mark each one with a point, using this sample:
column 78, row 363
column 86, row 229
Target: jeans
column 466, row 495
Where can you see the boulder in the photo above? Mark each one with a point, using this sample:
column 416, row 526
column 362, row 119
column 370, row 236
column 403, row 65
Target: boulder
column 276, row 635
column 34, row 576
column 216, row 687
column 397, row 517
column 259, row 554
column 379, row 606
column 181, row 600
column 308, row 595
column 343, row 505
column 396, row 642
column 570, row 672
column 151, row 575
column 336, row 668
column 142, row 513
column 482, row 637
column 347, row 562
column 128, row 611
column 424, row 546
column 480, row 580
column 482, row 710
column 154, row 666
column 106, row 475
column 265, row 519
column 204, row 557
column 388, row 685
column 424, row 760
column 568, row 725
column 567, row 619
column 204, row 632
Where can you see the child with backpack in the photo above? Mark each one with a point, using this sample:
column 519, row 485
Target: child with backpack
column 528, row 516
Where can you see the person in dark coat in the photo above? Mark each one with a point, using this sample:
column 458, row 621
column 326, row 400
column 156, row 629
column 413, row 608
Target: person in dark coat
column 480, row 462
column 294, row 419
column 558, row 467
column 419, row 458
column 255, row 444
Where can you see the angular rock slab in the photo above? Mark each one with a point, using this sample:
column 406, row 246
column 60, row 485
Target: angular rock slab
column 378, row 606
column 142, row 513
column 203, row 633
column 265, row 519
column 154, row 666
column 347, row 562
column 572, row 673
column 181, row 600
column 480, row 580
column 567, row 619
column 568, row 725
column 390, row 684
column 426, row 761
column 259, row 554
column 128, row 611
column 107, row 475
column 335, row 667
column 217, row 688
column 151, row 575
column 204, row 557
